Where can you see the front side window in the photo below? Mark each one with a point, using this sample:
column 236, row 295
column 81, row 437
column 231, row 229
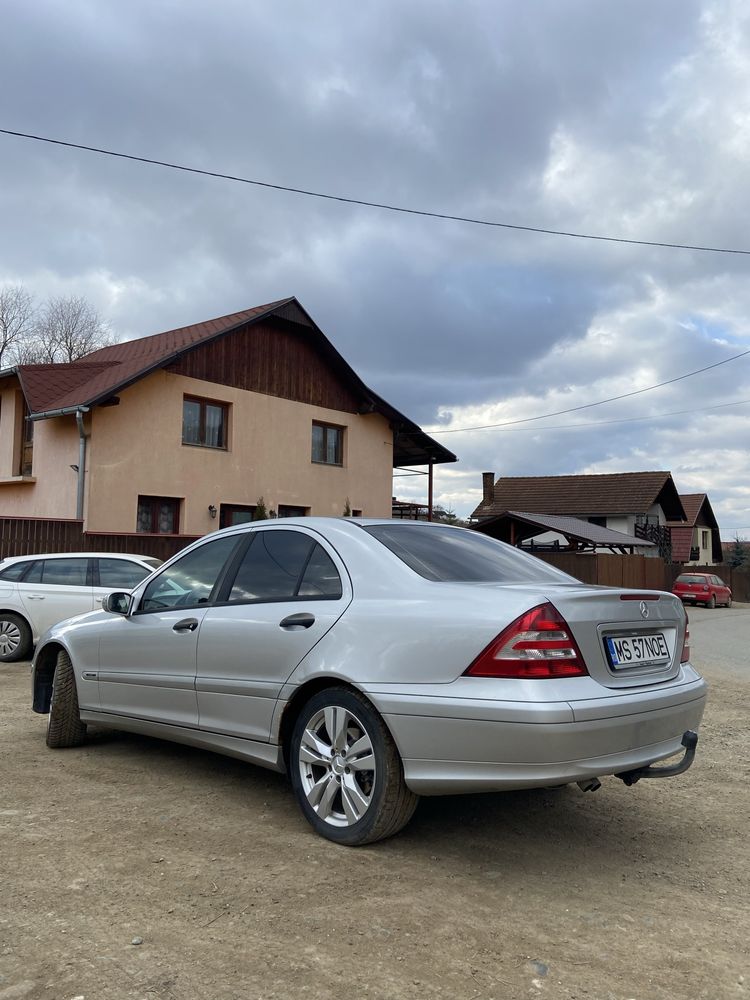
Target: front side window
column 204, row 423
column 283, row 565
column 327, row 444
column 158, row 515
column 189, row 581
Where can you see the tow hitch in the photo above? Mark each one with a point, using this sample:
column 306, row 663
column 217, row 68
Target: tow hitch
column 689, row 741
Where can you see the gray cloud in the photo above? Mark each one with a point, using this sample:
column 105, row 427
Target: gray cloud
column 615, row 119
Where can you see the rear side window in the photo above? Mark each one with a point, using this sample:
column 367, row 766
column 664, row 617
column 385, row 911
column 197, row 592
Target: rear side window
column 15, row 571
column 189, row 581
column 321, row 577
column 121, row 573
column 283, row 565
column 458, row 555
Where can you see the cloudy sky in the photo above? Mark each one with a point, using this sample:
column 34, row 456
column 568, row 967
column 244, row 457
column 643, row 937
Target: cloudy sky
column 615, row 119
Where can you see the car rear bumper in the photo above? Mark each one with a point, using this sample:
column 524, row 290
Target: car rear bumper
column 469, row 752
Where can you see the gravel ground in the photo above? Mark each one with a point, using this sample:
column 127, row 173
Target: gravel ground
column 132, row 868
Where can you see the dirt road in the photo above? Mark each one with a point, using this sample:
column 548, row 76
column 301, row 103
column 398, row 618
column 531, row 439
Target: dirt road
column 138, row 869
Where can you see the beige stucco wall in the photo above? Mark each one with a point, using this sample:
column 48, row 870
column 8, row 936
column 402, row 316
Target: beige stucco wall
column 136, row 448
column 51, row 491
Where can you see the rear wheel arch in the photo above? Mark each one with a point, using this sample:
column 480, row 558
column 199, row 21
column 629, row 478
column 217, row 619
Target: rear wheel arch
column 298, row 701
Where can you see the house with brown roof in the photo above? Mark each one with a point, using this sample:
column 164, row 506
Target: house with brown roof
column 696, row 541
column 182, row 432
column 636, row 504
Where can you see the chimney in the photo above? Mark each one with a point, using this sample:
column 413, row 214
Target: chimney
column 488, row 487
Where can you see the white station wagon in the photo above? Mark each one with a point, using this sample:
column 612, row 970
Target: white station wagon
column 38, row 591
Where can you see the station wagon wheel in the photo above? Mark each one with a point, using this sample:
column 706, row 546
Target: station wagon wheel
column 346, row 771
column 15, row 637
column 64, row 726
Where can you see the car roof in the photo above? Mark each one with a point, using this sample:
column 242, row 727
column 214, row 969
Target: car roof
column 77, row 555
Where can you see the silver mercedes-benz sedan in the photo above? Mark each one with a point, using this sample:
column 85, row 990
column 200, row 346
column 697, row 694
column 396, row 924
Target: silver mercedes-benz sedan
column 377, row 661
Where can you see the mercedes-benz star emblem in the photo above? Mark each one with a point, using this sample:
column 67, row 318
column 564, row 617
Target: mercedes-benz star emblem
column 644, row 609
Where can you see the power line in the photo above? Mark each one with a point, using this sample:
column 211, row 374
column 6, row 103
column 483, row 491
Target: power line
column 369, row 204
column 587, row 406
column 598, row 423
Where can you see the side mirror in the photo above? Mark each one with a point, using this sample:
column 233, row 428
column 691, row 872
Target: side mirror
column 117, row 603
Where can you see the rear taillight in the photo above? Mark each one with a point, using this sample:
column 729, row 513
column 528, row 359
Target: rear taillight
column 685, row 655
column 539, row 644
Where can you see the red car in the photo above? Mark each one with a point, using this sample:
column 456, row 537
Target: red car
column 702, row 588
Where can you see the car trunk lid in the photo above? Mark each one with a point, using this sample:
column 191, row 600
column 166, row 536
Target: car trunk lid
column 627, row 638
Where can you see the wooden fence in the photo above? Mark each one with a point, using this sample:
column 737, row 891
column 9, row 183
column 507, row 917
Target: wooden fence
column 641, row 572
column 23, row 536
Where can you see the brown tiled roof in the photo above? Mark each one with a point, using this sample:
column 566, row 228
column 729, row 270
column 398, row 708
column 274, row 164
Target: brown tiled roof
column 691, row 504
column 582, row 496
column 104, row 372
column 694, row 504
column 50, row 389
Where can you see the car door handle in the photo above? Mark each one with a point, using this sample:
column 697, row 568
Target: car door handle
column 186, row 625
column 36, row 597
column 302, row 620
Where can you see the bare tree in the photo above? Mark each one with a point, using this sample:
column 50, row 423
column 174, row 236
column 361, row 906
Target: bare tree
column 68, row 327
column 65, row 328
column 16, row 321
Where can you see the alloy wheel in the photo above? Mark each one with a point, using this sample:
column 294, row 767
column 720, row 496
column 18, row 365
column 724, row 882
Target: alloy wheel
column 337, row 766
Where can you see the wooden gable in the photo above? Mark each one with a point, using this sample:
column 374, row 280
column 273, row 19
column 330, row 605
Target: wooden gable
column 275, row 356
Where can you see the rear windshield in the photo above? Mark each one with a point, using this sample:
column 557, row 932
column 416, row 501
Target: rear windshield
column 455, row 555
column 692, row 578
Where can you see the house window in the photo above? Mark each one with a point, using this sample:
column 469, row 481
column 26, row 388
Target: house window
column 327, row 444
column 158, row 515
column 204, row 423
column 288, row 510
column 24, row 448
column 704, row 539
column 600, row 522
column 234, row 513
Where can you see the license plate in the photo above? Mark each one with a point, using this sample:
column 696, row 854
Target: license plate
column 635, row 650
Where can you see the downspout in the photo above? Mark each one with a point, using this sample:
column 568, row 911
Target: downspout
column 429, row 492
column 81, row 460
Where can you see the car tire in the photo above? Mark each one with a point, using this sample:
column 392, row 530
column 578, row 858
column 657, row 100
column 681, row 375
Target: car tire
column 64, row 726
column 729, row 603
column 346, row 804
column 15, row 637
column 712, row 602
